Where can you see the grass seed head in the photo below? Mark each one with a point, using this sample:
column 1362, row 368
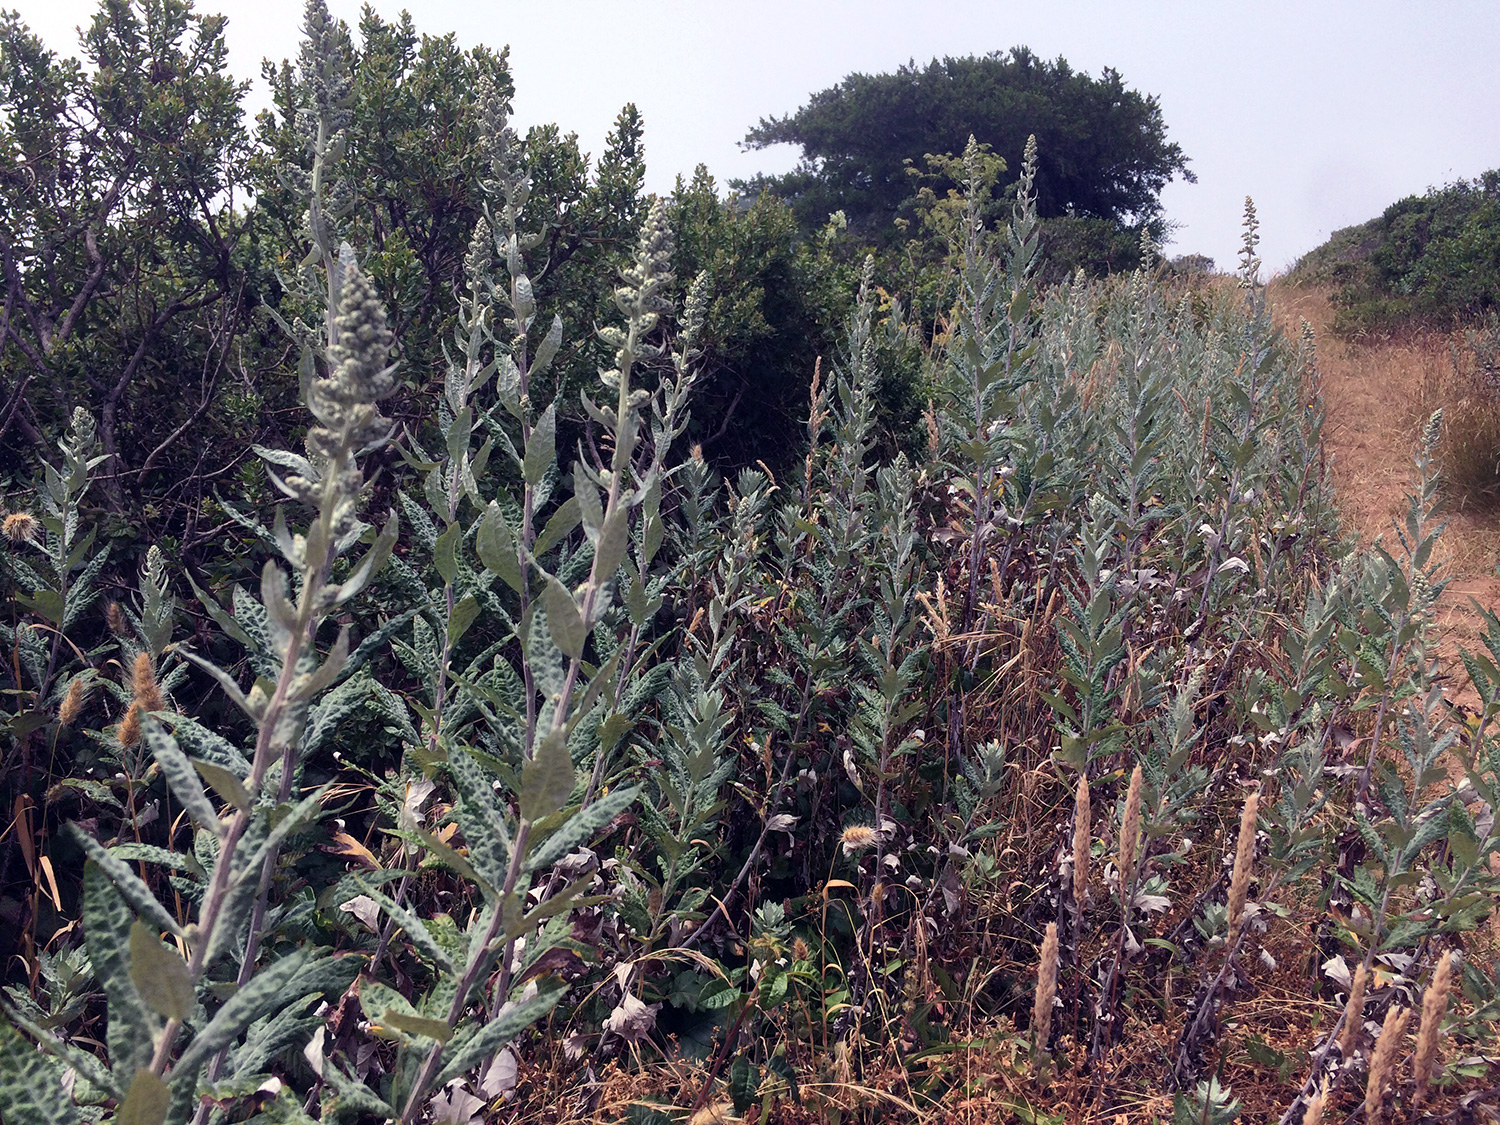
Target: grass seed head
column 72, row 702
column 1244, row 856
column 1354, row 1012
column 1383, row 1063
column 1046, row 989
column 143, row 683
column 1130, row 831
column 1081, row 835
column 1434, row 1003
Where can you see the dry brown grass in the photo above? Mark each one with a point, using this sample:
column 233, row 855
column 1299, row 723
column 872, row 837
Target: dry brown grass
column 1378, row 392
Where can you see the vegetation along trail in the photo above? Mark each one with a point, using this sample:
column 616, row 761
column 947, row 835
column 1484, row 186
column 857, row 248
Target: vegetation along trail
column 1378, row 392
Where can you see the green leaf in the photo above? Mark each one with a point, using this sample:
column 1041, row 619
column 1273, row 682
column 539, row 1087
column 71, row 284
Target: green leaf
column 224, row 783
column 579, row 828
column 445, row 553
column 48, row 603
column 147, row 1102
column 180, row 776
column 541, row 447
column 106, row 933
column 417, row 1025
column 744, row 1083
column 160, row 975
column 514, row 1018
column 496, row 544
column 31, row 1084
column 465, row 613
column 129, row 884
column 564, row 622
column 547, row 780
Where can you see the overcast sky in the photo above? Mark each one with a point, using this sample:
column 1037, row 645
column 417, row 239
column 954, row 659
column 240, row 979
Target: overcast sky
column 1323, row 112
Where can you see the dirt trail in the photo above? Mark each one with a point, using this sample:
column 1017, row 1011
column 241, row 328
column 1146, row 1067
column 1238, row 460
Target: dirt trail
column 1377, row 396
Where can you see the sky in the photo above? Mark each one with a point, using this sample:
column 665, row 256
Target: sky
column 1323, row 112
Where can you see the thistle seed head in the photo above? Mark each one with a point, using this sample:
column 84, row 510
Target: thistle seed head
column 21, row 527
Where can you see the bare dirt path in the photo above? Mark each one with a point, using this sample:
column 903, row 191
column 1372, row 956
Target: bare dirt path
column 1377, row 396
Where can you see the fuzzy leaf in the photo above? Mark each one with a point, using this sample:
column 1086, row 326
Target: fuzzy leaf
column 559, row 526
column 147, row 1101
column 465, row 613
column 514, row 1018
column 106, row 932
column 496, row 545
column 564, row 622
column 180, row 776
column 579, row 828
column 413, row 926
column 547, row 780
column 259, row 995
column 541, row 448
column 31, row 1084
column 129, row 884
column 225, row 784
column 160, row 975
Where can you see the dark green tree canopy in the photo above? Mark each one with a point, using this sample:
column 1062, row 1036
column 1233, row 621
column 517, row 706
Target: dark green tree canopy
column 1103, row 148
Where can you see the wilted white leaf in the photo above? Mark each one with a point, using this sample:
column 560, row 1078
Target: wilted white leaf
column 633, row 1019
column 417, row 793
column 1151, row 903
column 575, row 1045
column 456, row 1105
column 313, row 1052
column 781, row 822
column 1336, row 969
column 499, row 1077
column 363, row 907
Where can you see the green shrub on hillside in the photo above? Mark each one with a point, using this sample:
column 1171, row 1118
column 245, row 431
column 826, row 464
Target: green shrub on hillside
column 1428, row 260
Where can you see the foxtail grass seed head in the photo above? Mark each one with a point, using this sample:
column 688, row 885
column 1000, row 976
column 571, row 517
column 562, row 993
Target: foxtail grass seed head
column 1434, row 1003
column 857, row 837
column 72, row 702
column 1081, row 834
column 130, row 725
column 21, row 527
column 1130, row 831
column 116, row 619
column 1354, row 1014
column 1046, row 989
column 1383, row 1063
column 1315, row 1104
column 1244, row 856
column 143, row 683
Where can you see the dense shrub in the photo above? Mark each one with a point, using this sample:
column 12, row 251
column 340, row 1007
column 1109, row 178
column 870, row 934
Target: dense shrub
column 1429, row 260
column 557, row 781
